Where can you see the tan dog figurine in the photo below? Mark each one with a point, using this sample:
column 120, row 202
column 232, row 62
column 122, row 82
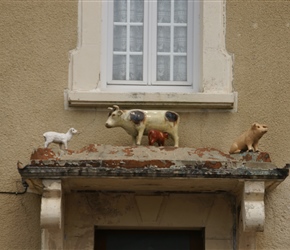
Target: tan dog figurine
column 248, row 141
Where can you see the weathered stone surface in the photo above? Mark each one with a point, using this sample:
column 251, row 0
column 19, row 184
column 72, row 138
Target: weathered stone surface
column 150, row 161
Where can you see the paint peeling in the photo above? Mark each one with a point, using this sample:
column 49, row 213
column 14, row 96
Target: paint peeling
column 118, row 161
column 89, row 148
column 128, row 151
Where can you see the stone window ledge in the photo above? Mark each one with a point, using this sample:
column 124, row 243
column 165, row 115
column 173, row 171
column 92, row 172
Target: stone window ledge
column 152, row 169
column 153, row 100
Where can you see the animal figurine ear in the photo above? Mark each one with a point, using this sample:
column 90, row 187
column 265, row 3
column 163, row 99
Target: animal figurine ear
column 120, row 112
column 254, row 125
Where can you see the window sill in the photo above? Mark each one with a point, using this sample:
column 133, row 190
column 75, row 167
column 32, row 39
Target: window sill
column 224, row 101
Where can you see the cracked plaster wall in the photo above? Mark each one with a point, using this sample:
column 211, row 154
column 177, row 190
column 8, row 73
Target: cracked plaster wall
column 36, row 37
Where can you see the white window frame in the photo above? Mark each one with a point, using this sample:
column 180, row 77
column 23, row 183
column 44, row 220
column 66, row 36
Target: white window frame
column 88, row 65
column 150, row 83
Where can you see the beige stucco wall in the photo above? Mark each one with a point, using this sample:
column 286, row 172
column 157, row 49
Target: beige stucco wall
column 36, row 37
column 257, row 34
column 148, row 211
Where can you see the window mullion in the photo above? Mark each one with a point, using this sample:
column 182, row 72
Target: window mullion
column 191, row 62
column 146, row 43
column 152, row 41
column 110, row 36
column 128, row 42
column 171, row 39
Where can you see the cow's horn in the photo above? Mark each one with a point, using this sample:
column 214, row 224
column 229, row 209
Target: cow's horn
column 116, row 107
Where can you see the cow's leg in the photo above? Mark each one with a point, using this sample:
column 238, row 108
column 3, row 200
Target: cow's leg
column 175, row 138
column 134, row 140
column 140, row 135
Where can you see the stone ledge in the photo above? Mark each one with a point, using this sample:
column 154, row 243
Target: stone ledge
column 100, row 152
column 155, row 170
column 178, row 101
column 152, row 166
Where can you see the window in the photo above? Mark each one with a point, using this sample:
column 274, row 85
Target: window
column 151, row 54
column 150, row 44
column 149, row 239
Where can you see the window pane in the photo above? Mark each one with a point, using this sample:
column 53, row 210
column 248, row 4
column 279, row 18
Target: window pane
column 128, row 40
column 163, row 39
column 172, row 40
column 180, row 11
column 119, row 67
column 163, row 68
column 180, row 39
column 164, row 11
column 120, row 10
column 120, row 38
column 136, row 11
column 136, row 38
column 136, row 68
column 180, row 68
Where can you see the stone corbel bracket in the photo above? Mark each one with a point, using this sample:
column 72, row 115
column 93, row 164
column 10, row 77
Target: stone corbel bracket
column 253, row 207
column 51, row 204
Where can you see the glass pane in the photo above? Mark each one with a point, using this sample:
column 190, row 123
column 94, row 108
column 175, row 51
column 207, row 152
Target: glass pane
column 119, row 67
column 180, row 11
column 163, row 39
column 136, row 11
column 136, row 68
column 180, row 39
column 164, row 11
column 136, row 38
column 120, row 38
column 163, row 68
column 180, row 68
column 120, row 11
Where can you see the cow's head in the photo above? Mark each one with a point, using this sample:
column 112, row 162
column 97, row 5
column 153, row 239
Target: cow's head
column 114, row 117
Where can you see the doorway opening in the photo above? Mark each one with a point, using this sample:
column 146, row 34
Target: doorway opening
column 106, row 239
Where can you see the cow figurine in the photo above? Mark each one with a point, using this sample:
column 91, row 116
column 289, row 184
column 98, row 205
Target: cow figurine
column 137, row 122
column 157, row 136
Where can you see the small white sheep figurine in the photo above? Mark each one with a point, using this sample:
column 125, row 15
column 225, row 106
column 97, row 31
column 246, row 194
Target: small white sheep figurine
column 59, row 138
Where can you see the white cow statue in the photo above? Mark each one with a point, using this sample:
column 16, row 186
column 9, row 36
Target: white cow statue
column 137, row 122
column 59, row 138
